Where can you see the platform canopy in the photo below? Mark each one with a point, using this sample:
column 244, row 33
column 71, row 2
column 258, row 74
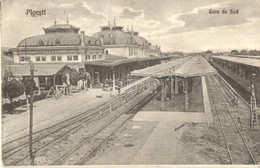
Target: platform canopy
column 250, row 61
column 185, row 67
column 113, row 60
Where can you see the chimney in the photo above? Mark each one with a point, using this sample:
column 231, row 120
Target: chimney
column 82, row 33
column 102, row 40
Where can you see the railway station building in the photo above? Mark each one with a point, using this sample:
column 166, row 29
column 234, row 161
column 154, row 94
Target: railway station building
column 108, row 55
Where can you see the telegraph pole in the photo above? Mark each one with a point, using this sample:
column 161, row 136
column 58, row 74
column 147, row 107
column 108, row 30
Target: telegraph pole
column 31, row 108
column 31, row 114
column 253, row 115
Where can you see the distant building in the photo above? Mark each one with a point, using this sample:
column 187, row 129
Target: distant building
column 61, row 43
column 125, row 43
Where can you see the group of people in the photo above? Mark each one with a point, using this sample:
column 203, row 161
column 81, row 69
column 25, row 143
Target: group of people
column 83, row 81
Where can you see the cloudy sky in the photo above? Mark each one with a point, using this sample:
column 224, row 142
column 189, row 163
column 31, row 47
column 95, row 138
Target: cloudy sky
column 176, row 25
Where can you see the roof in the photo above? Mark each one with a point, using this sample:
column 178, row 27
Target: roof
column 115, row 35
column 40, row 69
column 57, row 39
column 119, row 61
column 61, row 28
column 196, row 66
column 112, row 37
column 251, row 61
column 185, row 67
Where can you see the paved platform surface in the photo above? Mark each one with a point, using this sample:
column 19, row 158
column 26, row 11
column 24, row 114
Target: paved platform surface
column 161, row 147
column 48, row 112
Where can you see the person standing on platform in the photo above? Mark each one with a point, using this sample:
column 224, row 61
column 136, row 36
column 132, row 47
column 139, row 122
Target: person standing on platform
column 84, row 81
column 79, row 85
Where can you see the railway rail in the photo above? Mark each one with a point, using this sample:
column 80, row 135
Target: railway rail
column 16, row 151
column 86, row 148
column 236, row 145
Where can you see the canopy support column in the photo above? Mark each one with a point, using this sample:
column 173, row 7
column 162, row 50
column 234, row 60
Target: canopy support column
column 162, row 96
column 186, row 95
column 176, row 84
column 172, row 88
column 114, row 79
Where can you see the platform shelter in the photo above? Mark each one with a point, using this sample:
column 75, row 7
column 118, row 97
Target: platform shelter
column 176, row 76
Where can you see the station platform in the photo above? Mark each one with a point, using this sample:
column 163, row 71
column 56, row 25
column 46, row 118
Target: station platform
column 158, row 150
column 204, row 116
column 48, row 112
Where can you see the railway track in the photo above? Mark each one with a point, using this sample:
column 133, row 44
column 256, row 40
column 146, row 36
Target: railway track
column 87, row 148
column 16, row 152
column 237, row 148
column 20, row 151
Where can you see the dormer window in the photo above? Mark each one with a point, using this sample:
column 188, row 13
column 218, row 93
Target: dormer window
column 41, row 42
column 57, row 41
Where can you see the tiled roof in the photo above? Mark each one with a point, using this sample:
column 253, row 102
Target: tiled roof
column 241, row 60
column 118, row 37
column 57, row 39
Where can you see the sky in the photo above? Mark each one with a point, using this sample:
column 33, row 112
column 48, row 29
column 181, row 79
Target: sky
column 175, row 25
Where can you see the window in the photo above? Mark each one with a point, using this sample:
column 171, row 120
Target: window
column 87, row 57
column 41, row 42
column 99, row 56
column 69, row 58
column 22, row 58
column 59, row 58
column 131, row 52
column 106, row 51
column 53, row 58
column 43, row 58
column 94, row 57
column 75, row 57
column 38, row 58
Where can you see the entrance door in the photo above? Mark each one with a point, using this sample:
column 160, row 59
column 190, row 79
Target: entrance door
column 181, row 86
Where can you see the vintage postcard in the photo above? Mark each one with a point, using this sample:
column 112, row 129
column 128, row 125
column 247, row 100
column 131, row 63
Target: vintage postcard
column 130, row 82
